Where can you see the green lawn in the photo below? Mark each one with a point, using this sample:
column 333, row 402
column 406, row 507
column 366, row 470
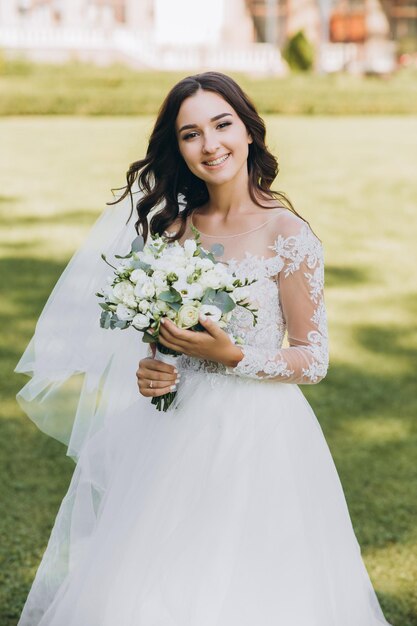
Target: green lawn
column 354, row 179
column 83, row 89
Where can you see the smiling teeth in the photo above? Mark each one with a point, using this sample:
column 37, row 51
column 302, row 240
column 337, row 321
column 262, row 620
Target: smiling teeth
column 217, row 161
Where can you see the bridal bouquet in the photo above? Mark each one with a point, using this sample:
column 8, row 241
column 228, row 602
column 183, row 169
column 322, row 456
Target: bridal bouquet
column 173, row 280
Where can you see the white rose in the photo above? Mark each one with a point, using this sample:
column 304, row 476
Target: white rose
column 181, row 285
column 160, row 282
column 195, row 291
column 144, row 306
column 159, row 308
column 189, row 269
column 146, row 290
column 187, row 316
column 228, row 280
column 181, row 273
column 122, row 290
column 190, row 247
column 108, row 293
column 124, row 313
column 159, row 275
column 138, row 276
column 146, row 257
column 204, row 264
column 211, row 279
column 125, row 264
column 211, row 311
column 130, row 301
column 141, row 321
column 162, row 306
column 240, row 293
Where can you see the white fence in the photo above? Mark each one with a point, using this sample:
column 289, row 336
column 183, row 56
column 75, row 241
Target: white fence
column 56, row 44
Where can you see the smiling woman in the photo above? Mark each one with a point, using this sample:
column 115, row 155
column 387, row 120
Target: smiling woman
column 215, row 146
column 204, row 118
column 227, row 509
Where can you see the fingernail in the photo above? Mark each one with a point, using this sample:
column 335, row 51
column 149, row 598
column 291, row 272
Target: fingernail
column 175, row 370
column 177, row 380
column 173, row 387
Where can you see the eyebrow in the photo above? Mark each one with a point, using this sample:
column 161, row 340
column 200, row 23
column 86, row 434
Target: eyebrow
column 213, row 119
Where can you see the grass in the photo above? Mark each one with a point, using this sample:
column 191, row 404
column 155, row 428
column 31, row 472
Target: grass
column 353, row 178
column 83, row 89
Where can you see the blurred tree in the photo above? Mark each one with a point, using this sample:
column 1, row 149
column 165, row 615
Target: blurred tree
column 299, row 52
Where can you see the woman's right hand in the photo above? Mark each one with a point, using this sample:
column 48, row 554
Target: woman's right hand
column 161, row 375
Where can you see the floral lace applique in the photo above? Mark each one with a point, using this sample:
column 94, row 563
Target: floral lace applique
column 307, row 362
column 289, row 296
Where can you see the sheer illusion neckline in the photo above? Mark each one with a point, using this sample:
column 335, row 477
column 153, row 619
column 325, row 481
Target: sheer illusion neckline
column 235, row 234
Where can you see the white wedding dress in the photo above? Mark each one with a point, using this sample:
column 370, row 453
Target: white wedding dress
column 226, row 510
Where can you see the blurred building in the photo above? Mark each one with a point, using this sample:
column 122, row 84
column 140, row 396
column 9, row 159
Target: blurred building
column 154, row 34
column 352, row 35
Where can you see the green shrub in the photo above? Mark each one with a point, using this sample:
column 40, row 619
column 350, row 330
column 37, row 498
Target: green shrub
column 299, row 52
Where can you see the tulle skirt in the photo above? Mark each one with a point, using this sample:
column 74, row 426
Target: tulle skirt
column 227, row 510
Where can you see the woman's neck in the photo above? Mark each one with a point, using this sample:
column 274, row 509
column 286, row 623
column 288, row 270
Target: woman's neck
column 231, row 197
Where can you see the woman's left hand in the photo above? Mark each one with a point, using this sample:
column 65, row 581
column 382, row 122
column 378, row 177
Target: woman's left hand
column 214, row 344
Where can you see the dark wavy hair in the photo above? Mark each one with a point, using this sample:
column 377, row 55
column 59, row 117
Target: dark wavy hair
column 164, row 176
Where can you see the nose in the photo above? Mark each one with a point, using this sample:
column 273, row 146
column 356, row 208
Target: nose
column 210, row 143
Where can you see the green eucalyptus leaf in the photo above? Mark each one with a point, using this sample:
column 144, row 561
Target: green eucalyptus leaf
column 217, row 249
column 137, row 264
column 105, row 318
column 221, row 299
column 122, row 324
column 175, row 305
column 137, row 244
column 170, row 296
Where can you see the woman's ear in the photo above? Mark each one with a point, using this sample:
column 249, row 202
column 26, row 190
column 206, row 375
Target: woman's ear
column 250, row 139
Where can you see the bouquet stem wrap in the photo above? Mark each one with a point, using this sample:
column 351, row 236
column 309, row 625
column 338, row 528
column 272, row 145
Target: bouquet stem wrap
column 163, row 402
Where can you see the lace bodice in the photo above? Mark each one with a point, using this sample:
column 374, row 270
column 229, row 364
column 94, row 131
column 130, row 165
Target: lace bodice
column 286, row 258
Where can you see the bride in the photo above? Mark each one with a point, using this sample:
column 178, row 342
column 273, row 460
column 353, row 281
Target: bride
column 227, row 509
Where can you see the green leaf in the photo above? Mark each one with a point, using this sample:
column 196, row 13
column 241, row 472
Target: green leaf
column 137, row 244
column 138, row 264
column 104, row 306
column 170, row 296
column 103, row 256
column 105, row 318
column 122, row 324
column 125, row 256
column 217, row 249
column 196, row 232
column 147, row 338
column 221, row 299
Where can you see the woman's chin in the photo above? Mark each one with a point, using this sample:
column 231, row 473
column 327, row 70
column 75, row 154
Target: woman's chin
column 218, row 178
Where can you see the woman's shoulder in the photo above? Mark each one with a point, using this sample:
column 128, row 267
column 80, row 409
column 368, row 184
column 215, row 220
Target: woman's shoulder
column 287, row 225
column 294, row 240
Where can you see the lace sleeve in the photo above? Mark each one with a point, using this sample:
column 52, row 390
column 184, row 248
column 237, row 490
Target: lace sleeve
column 301, row 283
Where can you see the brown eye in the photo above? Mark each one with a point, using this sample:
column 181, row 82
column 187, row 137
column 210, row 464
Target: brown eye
column 189, row 135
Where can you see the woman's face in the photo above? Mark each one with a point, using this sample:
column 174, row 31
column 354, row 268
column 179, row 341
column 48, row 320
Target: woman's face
column 214, row 143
